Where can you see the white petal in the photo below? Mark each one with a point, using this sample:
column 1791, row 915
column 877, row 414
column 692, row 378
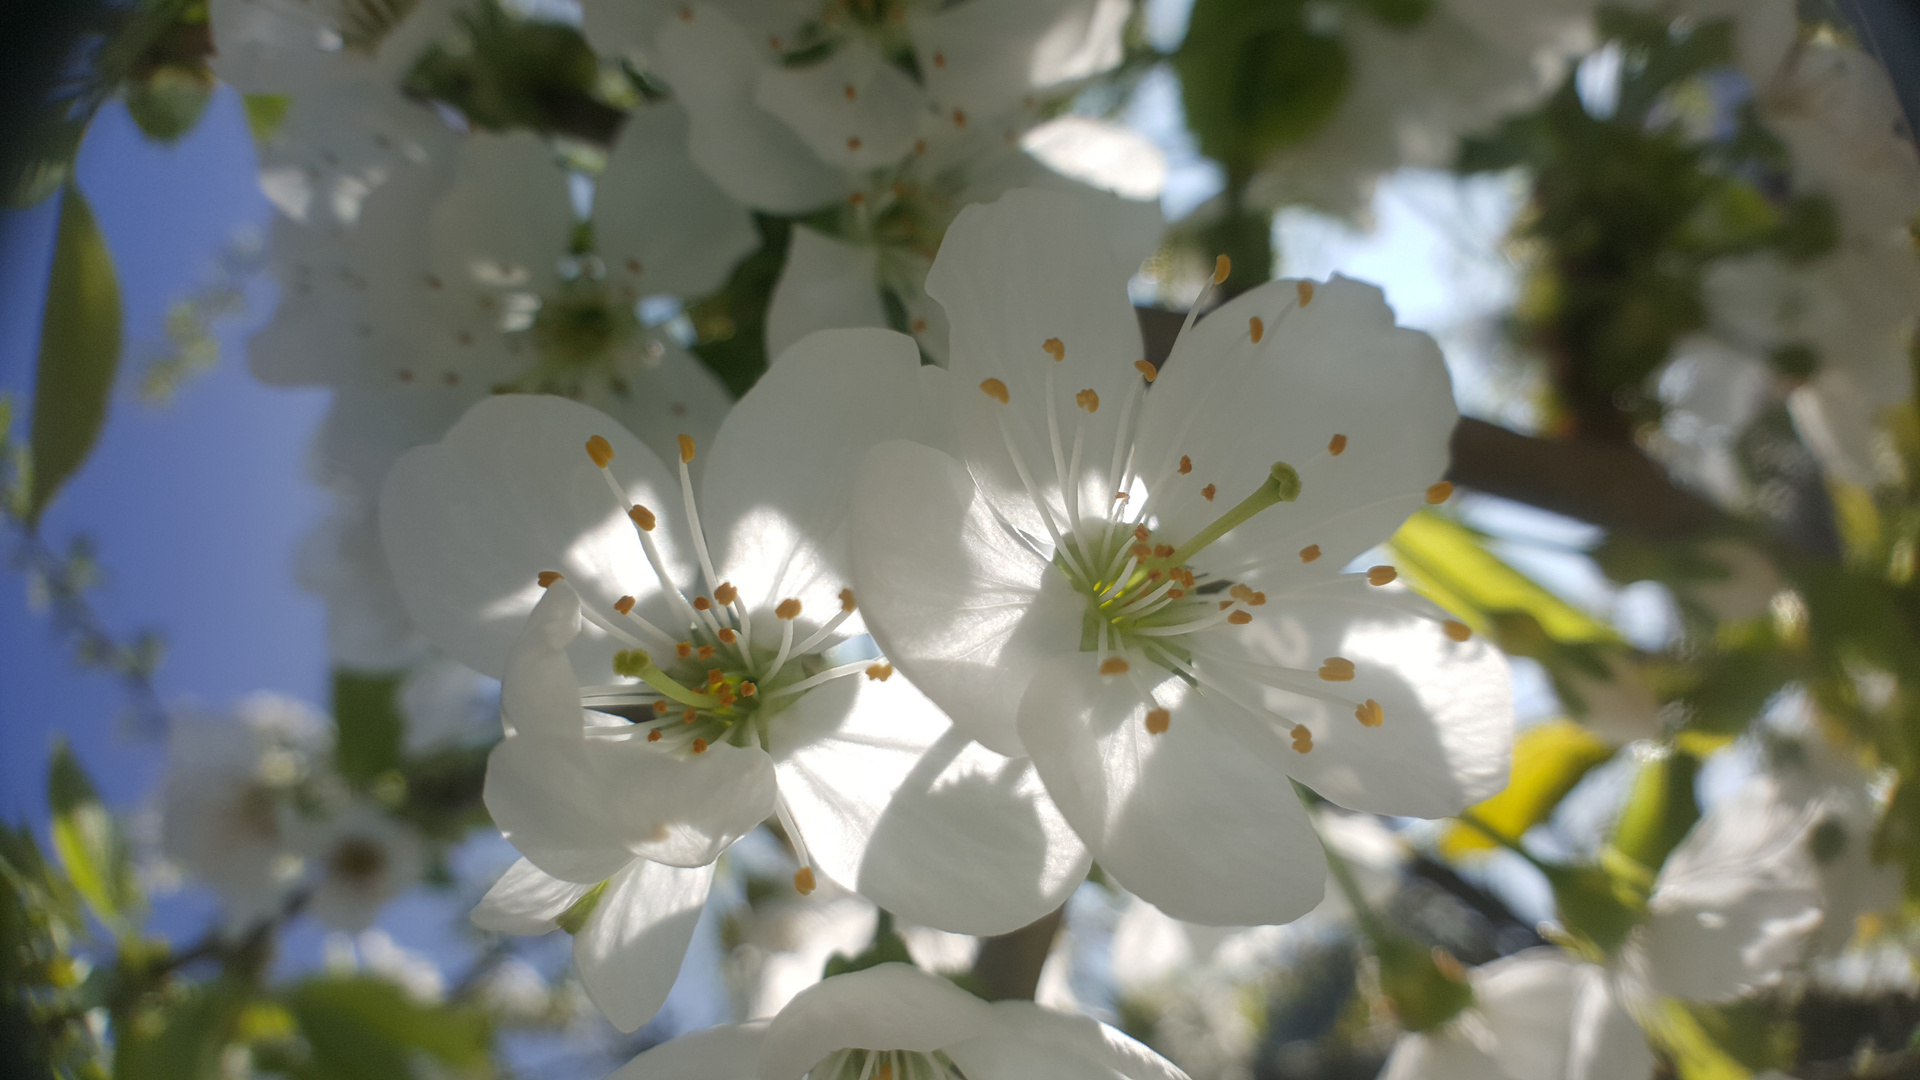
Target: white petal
column 959, row 604
column 1012, row 276
column 668, row 392
column 1199, row 821
column 986, row 57
column 1607, row 1042
column 727, row 1052
column 889, row 1007
column 997, row 1057
column 779, row 480
column 1447, row 736
column 1082, row 1038
column 715, row 72
column 855, row 109
column 582, row 808
column 1438, row 1055
column 898, row 805
column 654, row 209
column 826, row 284
column 1338, row 366
column 539, row 694
column 470, row 522
column 507, row 216
column 525, row 901
column 1526, row 1002
column 629, row 952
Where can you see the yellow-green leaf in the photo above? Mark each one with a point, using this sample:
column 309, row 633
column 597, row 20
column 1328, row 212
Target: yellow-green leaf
column 1695, row 1055
column 91, row 847
column 1548, row 760
column 79, row 351
column 1450, row 563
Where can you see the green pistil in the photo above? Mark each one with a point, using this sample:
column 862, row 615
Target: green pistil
column 1282, row 485
column 637, row 664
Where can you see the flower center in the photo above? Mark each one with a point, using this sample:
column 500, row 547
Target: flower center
column 885, row 1065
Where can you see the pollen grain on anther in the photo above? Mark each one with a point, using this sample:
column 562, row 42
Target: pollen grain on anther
column 1240, row 618
column 1302, row 739
column 1304, row 290
column 996, row 390
column 1256, row 329
column 803, row 882
column 699, row 746
column 1147, row 371
column 701, row 603
column 788, row 609
column 705, row 652
column 1309, row 553
column 1186, row 464
column 690, row 716
column 1055, row 348
column 684, row 649
column 1113, row 665
column 1381, row 575
column 686, row 449
column 1088, row 400
column 1337, row 669
column 1208, row 492
column 1370, row 714
column 726, row 593
column 624, row 605
column 548, row 577
column 1158, row 720
column 660, row 707
column 880, row 672
column 727, row 636
column 846, row 601
column 643, row 517
column 600, row 450
column 1457, row 630
column 1439, row 493
column 1337, row 445
column 1222, row 266
column 654, row 735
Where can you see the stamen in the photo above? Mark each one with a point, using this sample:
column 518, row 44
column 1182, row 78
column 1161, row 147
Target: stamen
column 1208, row 492
column 748, row 689
column 996, row 390
column 726, row 593
column 1186, row 464
column 1211, row 619
column 1337, row 445
column 684, row 649
column 693, row 514
column 1055, row 348
column 1256, row 329
column 643, row 517
column 1158, row 720
column 1302, row 739
column 701, row 603
column 654, row 735
column 727, row 636
column 1456, row 630
column 686, row 448
column 1113, row 665
column 1088, row 400
column 548, row 577
column 1240, row 618
column 833, row 624
column 1222, row 266
column 880, row 672
column 624, row 605
column 600, row 450
column 705, row 651
column 1305, row 291
column 1381, row 575
column 699, row 746
column 1309, row 553
column 846, row 601
column 803, row 882
column 1147, row 371
column 1439, row 493
column 1370, row 714
column 789, row 609
column 1337, row 669
column 832, row 673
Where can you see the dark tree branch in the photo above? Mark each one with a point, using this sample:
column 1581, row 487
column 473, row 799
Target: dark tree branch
column 1008, row 966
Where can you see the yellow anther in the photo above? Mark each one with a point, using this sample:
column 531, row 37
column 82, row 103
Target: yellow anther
column 726, row 593
column 1257, row 599
column 1088, row 400
column 1141, row 534
column 1309, row 553
column 727, row 635
column 690, row 716
column 642, row 517
column 851, row 93
column 1337, row 669
column 705, row 651
column 661, row 707
column 1240, row 592
column 996, row 390
column 803, row 882
column 1161, row 551
column 548, row 577
column 846, row 601
column 1158, row 720
column 1240, row 618
column 748, row 689
column 1055, row 348
column 1456, row 629
column 1370, row 714
column 880, row 672
column 788, row 609
column 1439, row 493
column 715, row 676
column 654, row 735
column 959, row 118
column 1256, row 329
column 624, row 605
column 1381, row 575
column 1113, row 665
column 701, row 603
column 684, row 649
column 686, row 449
column 1208, row 492
column 1302, row 739
column 600, row 450
column 1337, row 445
column 1141, row 551
column 1147, row 371
column 1225, row 604
column 1222, row 266
column 1176, row 594
column 853, row 142
column 699, row 746
column 1304, row 289
column 1186, row 464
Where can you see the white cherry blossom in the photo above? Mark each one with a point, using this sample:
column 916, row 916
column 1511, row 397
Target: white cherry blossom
column 678, row 665
column 1141, row 588
column 893, row 1022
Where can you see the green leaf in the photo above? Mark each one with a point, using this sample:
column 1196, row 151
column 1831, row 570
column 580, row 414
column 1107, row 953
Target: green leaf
column 887, row 947
column 366, row 709
column 1451, row 564
column 182, row 1036
column 1659, row 811
column 1256, row 78
column 1548, row 760
column 170, row 99
column 364, row 1028
column 79, row 352
column 1672, row 1027
column 92, row 849
column 264, row 114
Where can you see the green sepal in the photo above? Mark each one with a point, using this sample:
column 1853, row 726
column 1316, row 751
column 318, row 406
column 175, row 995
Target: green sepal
column 575, row 917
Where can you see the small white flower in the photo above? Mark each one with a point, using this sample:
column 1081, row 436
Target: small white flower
column 1141, row 588
column 895, row 1022
column 362, row 859
column 721, row 677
